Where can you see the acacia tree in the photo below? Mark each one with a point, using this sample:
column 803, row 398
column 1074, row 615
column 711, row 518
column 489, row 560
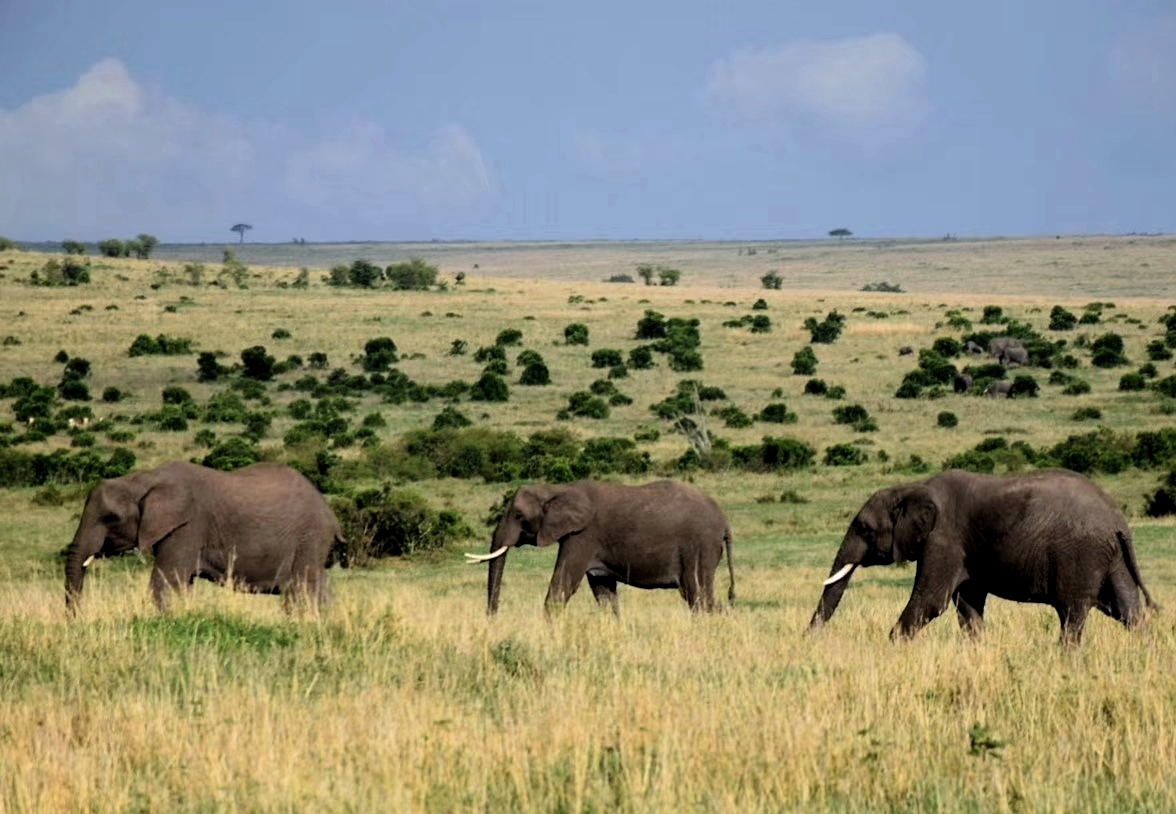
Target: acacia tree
column 840, row 233
column 241, row 229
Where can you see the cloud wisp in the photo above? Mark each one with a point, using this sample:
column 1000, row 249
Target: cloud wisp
column 861, row 82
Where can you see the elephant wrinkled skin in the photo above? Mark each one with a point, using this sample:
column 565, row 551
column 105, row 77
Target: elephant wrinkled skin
column 265, row 528
column 660, row 535
column 1050, row 537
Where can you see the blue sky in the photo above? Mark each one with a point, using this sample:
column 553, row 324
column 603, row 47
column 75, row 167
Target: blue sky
column 355, row 120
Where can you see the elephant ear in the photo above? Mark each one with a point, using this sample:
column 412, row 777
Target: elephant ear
column 566, row 512
column 164, row 507
column 914, row 515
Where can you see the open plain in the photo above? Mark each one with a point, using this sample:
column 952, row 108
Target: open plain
column 404, row 696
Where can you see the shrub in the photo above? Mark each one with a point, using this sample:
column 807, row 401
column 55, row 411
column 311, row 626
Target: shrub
column 1107, row 351
column 257, row 364
column 641, row 358
column 73, row 247
column 776, row 413
column 318, row 360
column 458, row 348
column 972, row 461
column 947, row 420
column 172, row 419
column 1099, row 451
column 1132, row 381
column 1165, row 386
column 947, row 347
column 804, row 362
column 1157, row 351
column 1086, row 414
column 1076, row 387
column 850, row 414
column 112, row 395
column 280, row 333
column 844, row 455
column 993, row 315
column 174, row 394
column 535, row 374
column 498, row 367
column 491, row 387
column 775, row 454
column 74, row 390
column 734, row 418
column 761, row 324
column 1061, row 320
column 816, row 387
column 772, row 280
column 389, row 522
column 232, row 453
column 1154, row 449
column 411, row 275
column 607, row 357
column 827, row 331
column 379, row 354
column 576, row 334
column 208, row 369
column 7, row 244
column 651, row 326
column 450, row 418
column 67, row 271
column 1023, row 386
column 584, row 404
column 111, row 247
column 685, row 360
column 509, row 336
column 225, row 407
column 1163, row 502
column 487, row 353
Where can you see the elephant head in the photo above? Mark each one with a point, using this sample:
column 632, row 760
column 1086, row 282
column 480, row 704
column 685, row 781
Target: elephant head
column 539, row 516
column 120, row 515
column 892, row 527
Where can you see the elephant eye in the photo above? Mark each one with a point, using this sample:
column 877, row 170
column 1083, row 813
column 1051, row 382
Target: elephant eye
column 110, row 518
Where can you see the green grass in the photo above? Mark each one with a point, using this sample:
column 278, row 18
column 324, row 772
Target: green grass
column 404, row 696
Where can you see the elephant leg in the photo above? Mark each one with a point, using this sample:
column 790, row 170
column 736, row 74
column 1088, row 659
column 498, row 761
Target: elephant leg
column 308, row 590
column 570, row 567
column 936, row 580
column 174, row 570
column 605, row 591
column 969, row 601
column 1073, row 619
column 1119, row 598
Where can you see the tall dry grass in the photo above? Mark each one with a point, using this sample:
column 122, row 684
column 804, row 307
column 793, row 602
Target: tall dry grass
column 405, row 697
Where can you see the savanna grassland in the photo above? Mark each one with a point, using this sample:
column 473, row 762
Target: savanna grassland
column 404, row 696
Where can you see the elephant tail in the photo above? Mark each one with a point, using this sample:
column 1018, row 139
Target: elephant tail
column 1128, row 550
column 730, row 566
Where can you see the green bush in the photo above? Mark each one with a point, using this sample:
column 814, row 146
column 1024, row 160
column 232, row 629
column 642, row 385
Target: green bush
column 734, row 417
column 174, row 394
column 1076, row 387
column 1132, row 381
column 816, row 387
column 208, row 369
column 1023, row 386
column 280, row 333
column 584, row 404
column 641, row 358
column 509, row 336
column 450, row 418
column 947, row 347
column 947, row 420
column 607, row 357
column 972, row 461
column 993, row 315
column 1165, row 386
column 535, row 374
column 1154, row 449
column 850, row 414
column 1100, row 451
column 804, row 362
column 111, row 247
column 111, row 395
column 576, row 334
column 66, row 271
column 1157, row 351
column 379, row 354
column 411, row 275
column 491, row 387
column 777, row 413
column 1107, row 351
column 1086, row 414
column 225, row 407
column 774, row 454
column 389, row 522
column 845, row 455
column 828, row 330
column 488, row 353
column 257, row 364
column 19, row 469
column 161, row 345
column 232, row 453
column 1061, row 320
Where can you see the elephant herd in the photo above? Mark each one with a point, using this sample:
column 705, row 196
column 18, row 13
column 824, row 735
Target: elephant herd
column 1051, row 537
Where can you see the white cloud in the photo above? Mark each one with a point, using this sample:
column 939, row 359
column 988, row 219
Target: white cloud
column 604, row 154
column 111, row 157
column 858, row 82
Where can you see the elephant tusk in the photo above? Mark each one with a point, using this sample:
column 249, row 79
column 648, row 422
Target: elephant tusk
column 845, row 569
column 474, row 559
column 89, row 560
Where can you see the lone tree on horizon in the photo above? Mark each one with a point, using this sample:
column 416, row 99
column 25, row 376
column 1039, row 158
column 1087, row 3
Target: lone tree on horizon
column 242, row 228
column 837, row 233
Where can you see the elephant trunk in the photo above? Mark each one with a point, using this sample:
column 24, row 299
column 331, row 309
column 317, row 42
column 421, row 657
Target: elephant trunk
column 849, row 557
column 505, row 537
column 87, row 542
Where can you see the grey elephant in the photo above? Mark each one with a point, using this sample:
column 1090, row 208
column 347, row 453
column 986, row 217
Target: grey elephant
column 962, row 383
column 660, row 535
column 1050, row 537
column 972, row 347
column 265, row 527
column 1013, row 355
column 1000, row 387
column 998, row 344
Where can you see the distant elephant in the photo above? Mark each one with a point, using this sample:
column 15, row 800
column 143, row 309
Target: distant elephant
column 962, row 383
column 998, row 344
column 972, row 347
column 265, row 527
column 661, row 535
column 1000, row 387
column 1014, row 355
column 1051, row 537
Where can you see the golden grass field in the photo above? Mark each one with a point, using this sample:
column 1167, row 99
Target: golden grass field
column 405, row 697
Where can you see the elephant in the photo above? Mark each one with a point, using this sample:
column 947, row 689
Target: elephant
column 998, row 344
column 972, row 347
column 1000, row 387
column 1013, row 355
column 962, row 383
column 1051, row 537
column 661, row 535
column 265, row 528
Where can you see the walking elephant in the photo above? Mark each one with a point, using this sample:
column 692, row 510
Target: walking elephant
column 961, row 383
column 660, row 535
column 265, row 528
column 998, row 344
column 1000, row 387
column 1051, row 537
column 1013, row 355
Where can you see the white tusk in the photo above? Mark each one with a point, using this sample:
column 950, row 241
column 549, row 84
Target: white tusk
column 474, row 559
column 89, row 560
column 840, row 574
